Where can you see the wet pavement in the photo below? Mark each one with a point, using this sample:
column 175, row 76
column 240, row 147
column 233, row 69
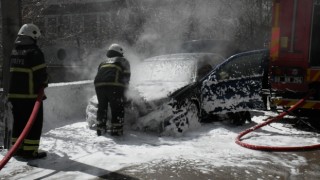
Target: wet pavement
column 264, row 169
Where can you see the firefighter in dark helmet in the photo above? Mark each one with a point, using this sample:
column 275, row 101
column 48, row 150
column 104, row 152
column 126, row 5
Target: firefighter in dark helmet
column 28, row 75
column 110, row 83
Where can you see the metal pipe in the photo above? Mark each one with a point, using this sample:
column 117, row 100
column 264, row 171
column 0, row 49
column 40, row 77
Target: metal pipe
column 11, row 23
column 293, row 25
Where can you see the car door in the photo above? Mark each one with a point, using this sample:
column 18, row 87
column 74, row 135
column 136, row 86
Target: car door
column 235, row 85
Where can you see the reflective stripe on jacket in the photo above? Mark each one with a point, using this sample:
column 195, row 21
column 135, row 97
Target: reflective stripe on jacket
column 114, row 72
column 27, row 72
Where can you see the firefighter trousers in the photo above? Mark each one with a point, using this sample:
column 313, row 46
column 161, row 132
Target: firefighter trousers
column 21, row 110
column 113, row 96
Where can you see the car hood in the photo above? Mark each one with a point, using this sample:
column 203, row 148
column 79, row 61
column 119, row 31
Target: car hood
column 153, row 91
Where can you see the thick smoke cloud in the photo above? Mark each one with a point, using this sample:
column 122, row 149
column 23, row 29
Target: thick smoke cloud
column 155, row 28
column 168, row 25
column 144, row 27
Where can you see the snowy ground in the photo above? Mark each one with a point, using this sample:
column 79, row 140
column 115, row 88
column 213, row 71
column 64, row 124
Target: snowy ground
column 208, row 152
column 75, row 152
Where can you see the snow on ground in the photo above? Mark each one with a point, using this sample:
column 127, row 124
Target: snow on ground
column 75, row 152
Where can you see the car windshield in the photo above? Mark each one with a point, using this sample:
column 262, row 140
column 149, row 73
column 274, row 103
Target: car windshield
column 171, row 70
column 173, row 67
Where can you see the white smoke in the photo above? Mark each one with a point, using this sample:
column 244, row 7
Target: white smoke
column 150, row 27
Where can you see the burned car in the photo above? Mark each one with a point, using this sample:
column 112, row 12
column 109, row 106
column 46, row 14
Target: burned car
column 170, row 94
column 154, row 79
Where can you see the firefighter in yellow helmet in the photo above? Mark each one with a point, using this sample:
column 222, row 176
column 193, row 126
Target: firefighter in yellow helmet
column 110, row 83
column 28, row 74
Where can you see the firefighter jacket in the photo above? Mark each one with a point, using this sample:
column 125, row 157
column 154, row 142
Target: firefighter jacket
column 28, row 71
column 114, row 72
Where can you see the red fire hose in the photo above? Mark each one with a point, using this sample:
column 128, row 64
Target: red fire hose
column 25, row 131
column 276, row 148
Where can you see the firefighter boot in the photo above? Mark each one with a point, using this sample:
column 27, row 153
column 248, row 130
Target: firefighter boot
column 101, row 128
column 115, row 129
column 31, row 154
column 39, row 155
column 118, row 132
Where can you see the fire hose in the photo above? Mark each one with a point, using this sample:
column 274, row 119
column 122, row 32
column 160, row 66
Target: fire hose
column 25, row 131
column 276, row 148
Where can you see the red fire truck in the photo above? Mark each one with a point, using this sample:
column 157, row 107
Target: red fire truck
column 294, row 67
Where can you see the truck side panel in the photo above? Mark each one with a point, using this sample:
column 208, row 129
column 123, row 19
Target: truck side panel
column 289, row 69
column 315, row 38
column 294, row 68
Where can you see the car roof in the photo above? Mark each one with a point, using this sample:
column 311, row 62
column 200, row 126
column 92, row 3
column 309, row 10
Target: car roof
column 223, row 47
column 248, row 52
column 182, row 56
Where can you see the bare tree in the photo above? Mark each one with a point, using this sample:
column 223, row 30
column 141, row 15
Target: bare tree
column 254, row 23
column 152, row 25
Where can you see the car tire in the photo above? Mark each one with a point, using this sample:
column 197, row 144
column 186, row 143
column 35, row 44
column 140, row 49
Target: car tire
column 239, row 118
column 246, row 116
